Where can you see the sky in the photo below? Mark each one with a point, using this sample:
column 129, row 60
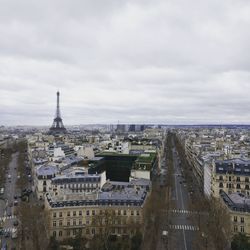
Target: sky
column 132, row 61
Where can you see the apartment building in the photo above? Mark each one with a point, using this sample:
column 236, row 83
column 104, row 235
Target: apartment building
column 238, row 207
column 116, row 210
column 231, row 176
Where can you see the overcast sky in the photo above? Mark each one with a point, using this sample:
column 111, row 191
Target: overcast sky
column 138, row 61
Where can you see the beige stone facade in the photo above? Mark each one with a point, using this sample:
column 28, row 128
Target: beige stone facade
column 231, row 176
column 238, row 207
column 88, row 221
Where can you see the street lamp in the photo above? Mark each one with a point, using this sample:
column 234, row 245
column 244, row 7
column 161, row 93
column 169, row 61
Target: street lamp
column 204, row 236
column 165, row 237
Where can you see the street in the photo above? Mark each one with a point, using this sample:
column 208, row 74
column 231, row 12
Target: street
column 181, row 228
column 8, row 204
column 178, row 228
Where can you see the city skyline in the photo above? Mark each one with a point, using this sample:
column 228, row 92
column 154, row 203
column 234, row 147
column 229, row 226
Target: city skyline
column 134, row 62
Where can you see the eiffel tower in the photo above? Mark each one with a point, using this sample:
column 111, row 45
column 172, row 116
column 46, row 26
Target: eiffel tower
column 57, row 126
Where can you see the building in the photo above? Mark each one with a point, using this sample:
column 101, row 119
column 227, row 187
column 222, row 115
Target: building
column 118, row 209
column 238, row 207
column 231, row 176
column 42, row 179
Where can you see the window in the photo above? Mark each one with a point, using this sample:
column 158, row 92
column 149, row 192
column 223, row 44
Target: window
column 93, row 212
column 221, row 178
column 54, row 223
column 60, row 223
column 68, row 232
column 242, row 219
column 229, row 178
column 119, row 212
column 238, row 179
column 68, row 223
column 54, row 233
column 60, row 233
column 137, row 212
column 87, row 212
column 54, row 214
column 68, row 213
column 74, row 222
column 124, row 212
column 80, row 213
column 221, row 185
column 246, row 179
column 74, row 213
column 132, row 212
column 80, row 222
column 93, row 231
column 235, row 229
column 101, row 212
column 247, row 187
column 235, row 218
column 238, row 186
column 242, row 230
column 60, row 214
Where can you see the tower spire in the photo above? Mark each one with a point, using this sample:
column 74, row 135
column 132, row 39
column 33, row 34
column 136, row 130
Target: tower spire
column 57, row 126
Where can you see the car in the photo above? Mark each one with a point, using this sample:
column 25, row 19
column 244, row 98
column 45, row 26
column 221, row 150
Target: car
column 7, row 234
column 29, row 191
column 15, row 223
column 15, row 203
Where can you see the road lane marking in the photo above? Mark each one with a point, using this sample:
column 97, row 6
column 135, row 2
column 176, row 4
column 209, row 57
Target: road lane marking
column 184, row 227
column 176, row 189
column 184, row 236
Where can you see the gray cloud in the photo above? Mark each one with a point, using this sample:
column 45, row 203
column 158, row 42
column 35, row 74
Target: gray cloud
column 132, row 61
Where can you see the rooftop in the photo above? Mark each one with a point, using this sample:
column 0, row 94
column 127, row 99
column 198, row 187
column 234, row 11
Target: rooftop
column 47, row 170
column 127, row 195
column 233, row 166
column 236, row 202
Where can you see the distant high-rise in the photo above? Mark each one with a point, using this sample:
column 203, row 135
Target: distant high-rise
column 57, row 126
